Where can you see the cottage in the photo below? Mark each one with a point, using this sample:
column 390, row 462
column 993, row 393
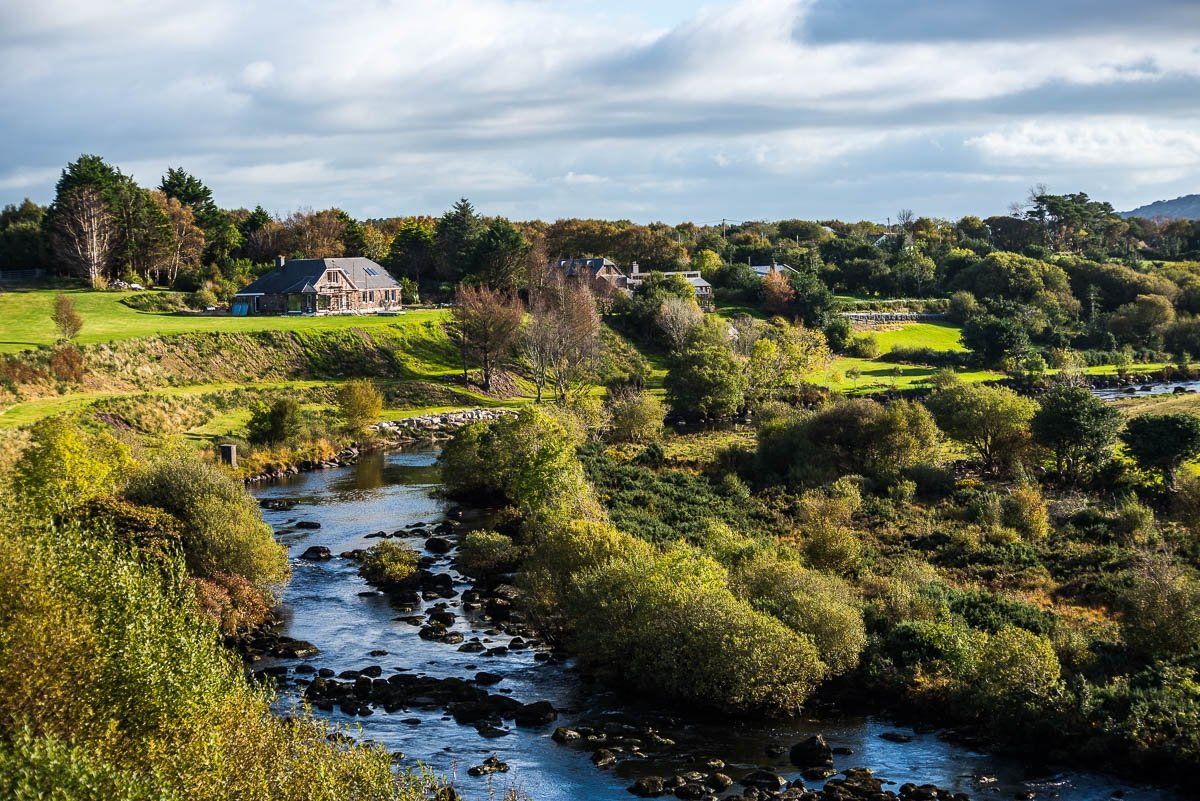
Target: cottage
column 703, row 289
column 594, row 269
column 320, row 286
column 763, row 270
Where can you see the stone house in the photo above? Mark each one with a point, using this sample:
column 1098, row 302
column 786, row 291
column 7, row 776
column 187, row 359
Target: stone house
column 354, row 285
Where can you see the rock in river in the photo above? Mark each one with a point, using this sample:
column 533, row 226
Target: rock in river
column 813, row 752
column 316, row 553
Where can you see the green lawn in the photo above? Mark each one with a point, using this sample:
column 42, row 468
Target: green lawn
column 25, row 320
column 879, row 376
column 936, row 336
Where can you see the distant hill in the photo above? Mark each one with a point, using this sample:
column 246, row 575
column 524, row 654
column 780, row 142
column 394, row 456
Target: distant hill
column 1181, row 208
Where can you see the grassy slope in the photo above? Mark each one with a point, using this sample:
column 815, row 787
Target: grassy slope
column 25, row 320
column 24, row 323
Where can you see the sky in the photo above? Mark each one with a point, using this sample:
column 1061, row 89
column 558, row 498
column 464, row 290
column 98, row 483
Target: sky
column 652, row 110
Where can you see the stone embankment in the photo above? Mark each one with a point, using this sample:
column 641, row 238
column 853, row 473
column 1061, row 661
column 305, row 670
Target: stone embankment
column 426, row 428
column 434, row 426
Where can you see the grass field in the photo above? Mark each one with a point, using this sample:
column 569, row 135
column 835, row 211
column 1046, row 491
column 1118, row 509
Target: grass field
column 878, row 376
column 25, row 320
column 936, row 336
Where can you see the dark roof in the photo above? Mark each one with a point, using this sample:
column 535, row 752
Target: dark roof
column 298, row 275
column 574, row 267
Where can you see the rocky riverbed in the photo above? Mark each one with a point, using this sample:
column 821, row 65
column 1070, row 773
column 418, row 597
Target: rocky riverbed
column 449, row 674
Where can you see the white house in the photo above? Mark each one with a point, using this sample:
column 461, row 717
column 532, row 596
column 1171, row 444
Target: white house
column 703, row 289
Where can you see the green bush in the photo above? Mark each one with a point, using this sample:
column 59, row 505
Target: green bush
column 635, row 417
column 863, row 346
column 808, row 602
column 223, row 531
column 1016, row 668
column 112, row 686
column 680, row 631
column 277, row 423
column 932, row 648
column 485, row 553
column 389, row 565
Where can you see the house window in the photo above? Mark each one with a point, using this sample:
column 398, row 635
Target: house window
column 332, row 277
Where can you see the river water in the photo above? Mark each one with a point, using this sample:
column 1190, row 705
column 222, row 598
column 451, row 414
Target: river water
column 327, row 604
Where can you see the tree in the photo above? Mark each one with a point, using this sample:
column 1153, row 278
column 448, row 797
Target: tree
column 707, row 262
column 500, row 254
column 185, row 245
column 359, row 404
column 777, row 293
column 279, row 422
column 411, row 254
column 1163, row 442
column 781, row 359
column 992, row 421
column 485, row 324
column 993, row 339
column 915, row 271
column 315, row 234
column 66, row 317
column 705, row 380
column 635, row 416
column 1146, row 317
column 85, row 234
column 1077, row 427
column 677, row 317
column 562, row 340
column 457, row 236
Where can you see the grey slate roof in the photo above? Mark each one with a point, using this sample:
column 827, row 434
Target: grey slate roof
column 299, row 275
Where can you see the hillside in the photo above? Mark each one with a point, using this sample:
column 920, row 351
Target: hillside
column 1181, row 208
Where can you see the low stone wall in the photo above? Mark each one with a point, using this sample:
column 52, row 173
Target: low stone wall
column 435, row 426
column 892, row 317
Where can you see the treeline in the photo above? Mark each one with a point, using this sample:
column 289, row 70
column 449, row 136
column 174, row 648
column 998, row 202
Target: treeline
column 118, row 577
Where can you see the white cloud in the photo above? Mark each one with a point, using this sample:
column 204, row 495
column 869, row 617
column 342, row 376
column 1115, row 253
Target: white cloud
column 531, row 104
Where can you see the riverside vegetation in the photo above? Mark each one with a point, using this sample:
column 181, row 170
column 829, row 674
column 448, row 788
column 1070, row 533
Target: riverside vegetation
column 979, row 559
column 117, row 574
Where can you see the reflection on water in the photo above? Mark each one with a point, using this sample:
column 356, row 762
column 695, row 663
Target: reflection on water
column 325, row 604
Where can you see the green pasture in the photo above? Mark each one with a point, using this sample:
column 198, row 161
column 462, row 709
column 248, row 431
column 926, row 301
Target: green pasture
column 25, row 320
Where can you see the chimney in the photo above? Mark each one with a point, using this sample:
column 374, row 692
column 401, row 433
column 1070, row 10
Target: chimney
column 634, row 267
column 280, row 261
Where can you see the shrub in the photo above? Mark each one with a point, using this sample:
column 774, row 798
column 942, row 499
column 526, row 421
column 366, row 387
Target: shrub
column 64, row 466
column 1162, row 609
column 857, row 436
column 1024, row 509
column 113, row 687
column 863, row 346
column 67, row 364
column 992, row 612
column 820, row 606
column 1016, row 668
column 722, row 651
column 485, row 553
column 932, row 648
column 359, row 404
column 389, row 565
column 279, row 422
column 234, row 603
column 963, row 306
column 635, row 417
column 223, row 530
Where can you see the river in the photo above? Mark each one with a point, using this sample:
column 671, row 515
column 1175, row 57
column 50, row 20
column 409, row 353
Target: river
column 327, row 604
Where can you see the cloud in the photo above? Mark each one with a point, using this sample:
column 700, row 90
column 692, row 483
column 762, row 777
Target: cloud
column 555, row 109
